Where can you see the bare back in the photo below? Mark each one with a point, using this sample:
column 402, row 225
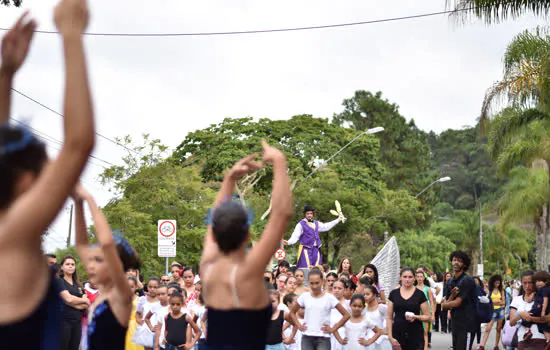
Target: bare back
column 21, row 290
column 229, row 285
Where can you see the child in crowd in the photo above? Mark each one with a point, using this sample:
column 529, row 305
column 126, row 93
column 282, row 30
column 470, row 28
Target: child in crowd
column 289, row 300
column 540, row 306
column 177, row 334
column 360, row 332
column 275, row 336
column 318, row 306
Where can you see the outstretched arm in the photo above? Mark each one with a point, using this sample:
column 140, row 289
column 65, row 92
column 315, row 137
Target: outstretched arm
column 57, row 179
column 15, row 47
column 295, row 235
column 324, row 227
column 273, row 233
column 122, row 296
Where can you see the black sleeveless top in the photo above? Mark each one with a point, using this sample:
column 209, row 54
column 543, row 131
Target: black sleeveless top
column 104, row 332
column 177, row 329
column 237, row 328
column 275, row 330
column 41, row 330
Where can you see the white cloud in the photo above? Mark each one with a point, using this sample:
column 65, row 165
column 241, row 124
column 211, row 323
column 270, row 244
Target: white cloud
column 435, row 70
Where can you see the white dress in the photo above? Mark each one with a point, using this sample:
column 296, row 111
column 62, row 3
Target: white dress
column 297, row 345
column 378, row 319
column 354, row 331
column 335, row 317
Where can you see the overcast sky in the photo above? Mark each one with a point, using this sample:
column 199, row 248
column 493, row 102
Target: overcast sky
column 435, row 70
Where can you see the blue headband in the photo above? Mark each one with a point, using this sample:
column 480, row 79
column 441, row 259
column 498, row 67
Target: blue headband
column 250, row 213
column 27, row 138
column 124, row 243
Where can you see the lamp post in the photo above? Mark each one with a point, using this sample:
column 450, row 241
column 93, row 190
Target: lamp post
column 367, row 132
column 441, row 180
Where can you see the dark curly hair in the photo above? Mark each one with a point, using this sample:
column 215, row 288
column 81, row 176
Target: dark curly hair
column 20, row 152
column 129, row 261
column 459, row 254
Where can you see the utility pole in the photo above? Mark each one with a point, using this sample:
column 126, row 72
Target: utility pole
column 480, row 238
column 70, row 226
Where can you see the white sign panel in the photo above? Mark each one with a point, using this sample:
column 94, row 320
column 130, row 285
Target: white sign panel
column 167, row 238
column 480, row 270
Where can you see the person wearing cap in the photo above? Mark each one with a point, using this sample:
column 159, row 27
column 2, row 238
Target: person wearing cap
column 307, row 232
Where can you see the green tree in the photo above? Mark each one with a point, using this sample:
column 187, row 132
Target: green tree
column 497, row 10
column 403, row 147
column 155, row 188
column 306, row 141
column 424, row 248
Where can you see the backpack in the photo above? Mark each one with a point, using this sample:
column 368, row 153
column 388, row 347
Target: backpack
column 484, row 311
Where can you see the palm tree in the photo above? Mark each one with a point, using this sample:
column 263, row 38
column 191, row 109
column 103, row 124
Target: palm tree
column 498, row 10
column 525, row 81
column 523, row 137
column 16, row 3
column 520, row 133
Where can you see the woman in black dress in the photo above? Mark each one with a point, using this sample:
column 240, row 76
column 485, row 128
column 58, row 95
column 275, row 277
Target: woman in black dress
column 407, row 309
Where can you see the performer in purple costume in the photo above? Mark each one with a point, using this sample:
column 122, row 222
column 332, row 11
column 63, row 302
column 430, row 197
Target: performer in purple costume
column 307, row 232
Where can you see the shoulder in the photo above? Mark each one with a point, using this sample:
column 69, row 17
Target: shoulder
column 517, row 301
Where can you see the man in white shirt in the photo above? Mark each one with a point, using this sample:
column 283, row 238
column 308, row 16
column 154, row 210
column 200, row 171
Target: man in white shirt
column 307, row 231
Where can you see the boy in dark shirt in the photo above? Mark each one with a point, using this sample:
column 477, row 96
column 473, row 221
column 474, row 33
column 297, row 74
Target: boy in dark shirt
column 460, row 299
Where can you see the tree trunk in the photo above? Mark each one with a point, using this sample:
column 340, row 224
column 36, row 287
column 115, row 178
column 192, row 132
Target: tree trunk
column 543, row 227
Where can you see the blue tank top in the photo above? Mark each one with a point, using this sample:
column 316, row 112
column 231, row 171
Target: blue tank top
column 41, row 330
column 104, row 332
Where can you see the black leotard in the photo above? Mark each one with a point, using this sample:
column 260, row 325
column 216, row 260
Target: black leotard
column 41, row 330
column 104, row 332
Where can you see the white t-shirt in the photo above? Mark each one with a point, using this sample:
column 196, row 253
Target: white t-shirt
column 199, row 311
column 317, row 312
column 520, row 305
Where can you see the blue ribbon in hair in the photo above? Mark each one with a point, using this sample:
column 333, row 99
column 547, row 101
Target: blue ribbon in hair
column 124, row 243
column 249, row 211
column 26, row 139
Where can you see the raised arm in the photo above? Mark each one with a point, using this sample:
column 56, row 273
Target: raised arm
column 15, row 47
column 57, row 180
column 121, row 300
column 244, row 166
column 275, row 229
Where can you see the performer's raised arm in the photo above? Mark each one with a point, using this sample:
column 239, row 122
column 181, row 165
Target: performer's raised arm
column 327, row 226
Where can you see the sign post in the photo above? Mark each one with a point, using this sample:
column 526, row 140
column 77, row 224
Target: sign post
column 167, row 239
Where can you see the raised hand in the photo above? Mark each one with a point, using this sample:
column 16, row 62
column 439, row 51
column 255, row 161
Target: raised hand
column 16, row 43
column 79, row 193
column 71, row 17
column 244, row 166
column 270, row 153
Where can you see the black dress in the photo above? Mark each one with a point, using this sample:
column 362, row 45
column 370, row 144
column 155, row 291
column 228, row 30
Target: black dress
column 104, row 332
column 41, row 330
column 410, row 335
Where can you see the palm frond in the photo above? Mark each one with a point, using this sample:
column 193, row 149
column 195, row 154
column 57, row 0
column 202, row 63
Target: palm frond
column 16, row 3
column 520, row 86
column 508, row 124
column 494, row 11
column 526, row 191
column 530, row 45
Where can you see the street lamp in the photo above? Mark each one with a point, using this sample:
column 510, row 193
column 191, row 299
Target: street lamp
column 367, row 132
column 441, row 180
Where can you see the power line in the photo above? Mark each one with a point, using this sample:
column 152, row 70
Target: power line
column 62, row 116
column 47, row 137
column 261, row 31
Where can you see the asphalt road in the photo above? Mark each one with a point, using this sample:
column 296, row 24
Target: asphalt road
column 443, row 341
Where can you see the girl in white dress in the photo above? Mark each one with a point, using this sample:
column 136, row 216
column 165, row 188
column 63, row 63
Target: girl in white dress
column 376, row 314
column 338, row 288
column 360, row 332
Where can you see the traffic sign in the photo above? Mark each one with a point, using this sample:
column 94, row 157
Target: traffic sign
column 280, row 254
column 167, row 238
